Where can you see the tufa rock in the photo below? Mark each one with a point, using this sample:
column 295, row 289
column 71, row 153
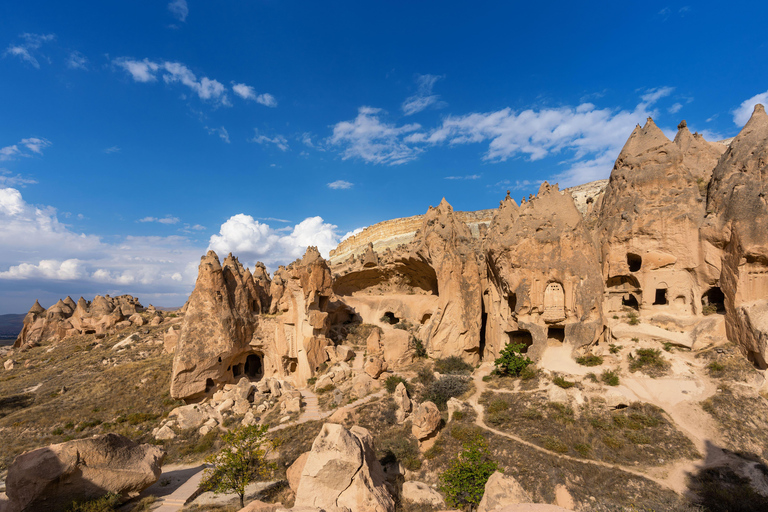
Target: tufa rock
column 426, row 421
column 500, row 491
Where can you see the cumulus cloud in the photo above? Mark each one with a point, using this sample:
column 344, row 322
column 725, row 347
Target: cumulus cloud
column 249, row 93
column 743, row 112
column 40, row 251
column 423, row 97
column 278, row 140
column 144, row 71
column 253, row 241
column 179, row 9
column 24, row 148
column 77, row 60
column 351, row 233
column 340, row 185
column 27, row 50
column 374, row 141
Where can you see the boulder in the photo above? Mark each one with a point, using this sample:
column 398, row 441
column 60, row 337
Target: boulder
column 345, row 353
column 454, row 404
column 260, row 506
column 170, row 340
column 500, row 491
column 342, row 473
column 9, row 364
column 51, row 478
column 403, row 402
column 374, row 366
column 422, row 494
column 426, row 421
column 293, row 473
column 165, row 433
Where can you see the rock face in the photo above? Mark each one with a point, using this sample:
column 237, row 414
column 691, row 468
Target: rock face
column 218, row 326
column 342, row 473
column 544, row 283
column 737, row 225
column 426, row 420
column 67, row 318
column 51, row 478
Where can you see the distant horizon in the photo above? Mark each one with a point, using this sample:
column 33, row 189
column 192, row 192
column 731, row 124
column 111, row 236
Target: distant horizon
column 139, row 135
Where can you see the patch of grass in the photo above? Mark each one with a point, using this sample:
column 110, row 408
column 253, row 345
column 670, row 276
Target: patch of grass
column 743, row 419
column 715, row 368
column 610, row 377
column 709, row 309
column 668, row 347
column 397, row 444
column 293, row 441
column 453, row 365
column 392, row 382
column 554, row 445
column 425, row 375
column 650, row 361
column 582, row 449
column 529, row 372
column 326, row 389
column 561, row 382
column 591, row 376
column 106, row 503
column 590, row 360
column 614, row 349
column 720, row 489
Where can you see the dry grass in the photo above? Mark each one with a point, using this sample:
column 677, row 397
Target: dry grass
column 743, row 420
column 293, row 441
column 638, row 434
column 728, row 364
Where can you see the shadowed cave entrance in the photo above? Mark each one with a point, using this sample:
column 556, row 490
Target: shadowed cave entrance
column 556, row 334
column 521, row 337
column 713, row 300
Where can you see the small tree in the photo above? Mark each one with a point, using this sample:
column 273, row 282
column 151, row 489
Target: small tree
column 242, row 460
column 511, row 361
column 463, row 483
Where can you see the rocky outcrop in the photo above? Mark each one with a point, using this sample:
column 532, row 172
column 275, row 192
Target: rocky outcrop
column 67, row 318
column 217, row 328
column 426, row 421
column 51, row 478
column 544, row 283
column 737, row 225
column 342, row 473
column 500, row 491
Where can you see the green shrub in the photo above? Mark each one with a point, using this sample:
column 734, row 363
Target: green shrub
column 565, row 384
column 614, row 349
column 715, row 367
column 649, row 360
column 590, row 360
column 392, row 382
column 591, row 376
column 497, row 405
column 582, row 449
column 709, row 309
column 327, row 388
column 555, row 445
column 511, row 361
column 610, row 377
column 669, row 347
column 426, row 375
column 633, row 319
column 529, row 372
column 106, row 503
column 463, row 483
column 311, row 381
column 57, row 431
column 418, row 347
column 452, row 365
column 443, row 389
column 400, row 446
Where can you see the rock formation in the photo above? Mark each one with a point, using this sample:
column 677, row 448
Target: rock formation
column 544, row 283
column 67, row 318
column 342, row 473
column 51, row 478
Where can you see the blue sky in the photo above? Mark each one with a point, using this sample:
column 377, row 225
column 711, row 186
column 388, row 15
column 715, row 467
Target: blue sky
column 137, row 134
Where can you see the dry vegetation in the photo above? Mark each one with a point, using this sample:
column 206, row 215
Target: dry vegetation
column 743, row 419
column 639, row 434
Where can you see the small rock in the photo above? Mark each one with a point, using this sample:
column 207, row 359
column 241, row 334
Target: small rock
column 426, row 420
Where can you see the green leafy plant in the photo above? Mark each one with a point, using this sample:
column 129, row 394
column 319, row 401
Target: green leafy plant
column 418, row 347
column 463, row 483
column 614, row 349
column 106, row 503
column 590, row 360
column 242, row 460
column 443, row 389
column 610, row 377
column 511, row 361
column 650, row 361
column 633, row 319
column 392, row 382
column 565, row 384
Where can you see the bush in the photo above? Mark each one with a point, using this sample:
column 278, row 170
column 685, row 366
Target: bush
column 399, row 445
column 426, row 375
column 392, row 382
column 511, row 361
column 590, row 360
column 715, row 367
column 649, row 360
column 529, row 372
column 633, row 320
column 463, row 483
column 614, row 349
column 565, row 384
column 443, row 389
column 418, row 347
column 106, row 503
column 709, row 309
column 452, row 365
column 610, row 377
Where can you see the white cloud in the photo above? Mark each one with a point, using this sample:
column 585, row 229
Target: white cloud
column 340, row 185
column 423, row 97
column 175, row 72
column 351, row 233
column 179, row 9
column 253, row 241
column 374, row 141
column 24, row 148
column 27, row 50
column 467, row 177
column 49, row 269
column 653, row 95
column 8, row 180
column 221, row 132
column 674, row 109
column 249, row 93
column 743, row 112
column 77, row 60
column 113, row 149
column 168, row 219
column 277, row 140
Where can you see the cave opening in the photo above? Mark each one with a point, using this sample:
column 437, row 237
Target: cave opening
column 425, row 318
column 390, row 318
column 254, row 367
column 209, row 385
column 523, row 337
column 635, row 262
column 715, row 299
column 556, row 334
column 661, row 297
column 630, row 301
column 512, row 301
